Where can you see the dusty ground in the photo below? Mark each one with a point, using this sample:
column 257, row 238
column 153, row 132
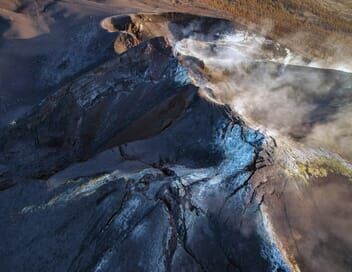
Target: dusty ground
column 46, row 44
column 323, row 28
column 37, row 53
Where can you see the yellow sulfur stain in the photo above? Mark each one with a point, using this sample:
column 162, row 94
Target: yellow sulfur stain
column 321, row 167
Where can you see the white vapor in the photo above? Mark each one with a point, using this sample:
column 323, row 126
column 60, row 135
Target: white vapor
column 275, row 90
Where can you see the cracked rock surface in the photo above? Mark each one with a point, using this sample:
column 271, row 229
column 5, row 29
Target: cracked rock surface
column 127, row 168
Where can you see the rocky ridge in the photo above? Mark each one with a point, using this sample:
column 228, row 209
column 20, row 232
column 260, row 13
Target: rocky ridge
column 128, row 167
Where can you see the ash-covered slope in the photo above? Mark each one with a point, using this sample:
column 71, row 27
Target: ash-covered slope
column 43, row 45
column 172, row 193
column 132, row 167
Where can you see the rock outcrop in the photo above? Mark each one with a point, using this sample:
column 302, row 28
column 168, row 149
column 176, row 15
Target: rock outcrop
column 128, row 168
column 169, row 192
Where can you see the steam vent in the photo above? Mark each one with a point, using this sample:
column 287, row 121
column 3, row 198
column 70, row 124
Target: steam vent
column 176, row 136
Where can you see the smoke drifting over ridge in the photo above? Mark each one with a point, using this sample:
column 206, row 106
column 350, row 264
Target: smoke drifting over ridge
column 275, row 90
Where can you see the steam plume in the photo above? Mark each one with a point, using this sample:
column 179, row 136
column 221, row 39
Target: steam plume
column 276, row 90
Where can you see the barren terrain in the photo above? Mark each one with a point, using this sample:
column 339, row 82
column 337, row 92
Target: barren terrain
column 175, row 135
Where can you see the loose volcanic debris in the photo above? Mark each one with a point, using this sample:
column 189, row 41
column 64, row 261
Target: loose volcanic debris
column 128, row 167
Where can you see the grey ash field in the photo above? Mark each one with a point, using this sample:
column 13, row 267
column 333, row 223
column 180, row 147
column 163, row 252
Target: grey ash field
column 155, row 136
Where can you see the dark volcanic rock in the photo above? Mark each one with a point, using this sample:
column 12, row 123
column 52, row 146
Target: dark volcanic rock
column 124, row 42
column 32, row 68
column 94, row 112
column 170, row 192
column 128, row 168
column 122, row 23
